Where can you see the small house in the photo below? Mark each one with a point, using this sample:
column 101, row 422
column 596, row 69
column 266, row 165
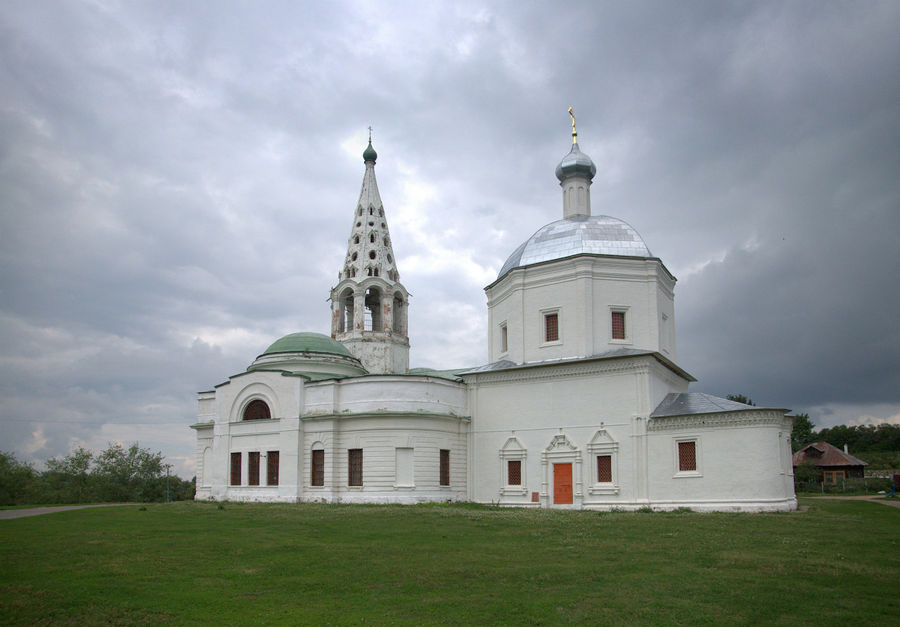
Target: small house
column 835, row 463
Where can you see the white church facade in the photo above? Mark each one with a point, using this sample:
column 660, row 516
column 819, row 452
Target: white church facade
column 582, row 403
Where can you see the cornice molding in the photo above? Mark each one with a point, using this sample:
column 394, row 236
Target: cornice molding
column 748, row 418
column 622, row 365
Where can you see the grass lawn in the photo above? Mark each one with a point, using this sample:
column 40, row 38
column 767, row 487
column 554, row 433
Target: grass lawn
column 837, row 563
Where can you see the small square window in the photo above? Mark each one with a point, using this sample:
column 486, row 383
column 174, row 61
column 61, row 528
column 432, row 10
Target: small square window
column 618, row 325
column 604, row 468
column 687, row 456
column 514, row 472
column 551, row 327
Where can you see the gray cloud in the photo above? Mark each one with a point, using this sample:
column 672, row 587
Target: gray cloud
column 177, row 182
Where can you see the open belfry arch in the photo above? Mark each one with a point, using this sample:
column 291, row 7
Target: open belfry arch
column 581, row 405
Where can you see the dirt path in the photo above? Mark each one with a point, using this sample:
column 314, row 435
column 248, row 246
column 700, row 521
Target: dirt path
column 878, row 498
column 6, row 514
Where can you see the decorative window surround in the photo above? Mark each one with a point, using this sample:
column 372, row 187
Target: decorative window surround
column 603, row 444
column 682, row 453
column 551, row 323
column 513, row 451
column 614, row 311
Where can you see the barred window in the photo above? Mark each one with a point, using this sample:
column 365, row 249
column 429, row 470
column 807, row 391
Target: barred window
column 253, row 468
column 514, row 472
column 235, row 469
column 604, row 468
column 551, row 327
column 272, row 468
column 318, row 467
column 687, row 456
column 445, row 466
column 618, row 325
column 355, row 466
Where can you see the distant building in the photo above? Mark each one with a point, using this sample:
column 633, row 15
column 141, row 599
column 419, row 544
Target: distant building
column 835, row 463
column 582, row 403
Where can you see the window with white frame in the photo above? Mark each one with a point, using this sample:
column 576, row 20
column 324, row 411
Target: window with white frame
column 687, row 457
column 551, row 326
column 512, row 468
column 603, row 451
column 619, row 330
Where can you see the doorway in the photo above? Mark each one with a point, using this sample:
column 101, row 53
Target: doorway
column 562, row 484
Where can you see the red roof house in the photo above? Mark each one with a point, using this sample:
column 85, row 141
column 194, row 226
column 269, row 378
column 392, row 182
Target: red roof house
column 835, row 463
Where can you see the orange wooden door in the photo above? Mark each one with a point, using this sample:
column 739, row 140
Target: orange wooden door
column 562, row 484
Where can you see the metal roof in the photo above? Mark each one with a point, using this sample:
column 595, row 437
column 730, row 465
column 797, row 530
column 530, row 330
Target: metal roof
column 690, row 403
column 596, row 235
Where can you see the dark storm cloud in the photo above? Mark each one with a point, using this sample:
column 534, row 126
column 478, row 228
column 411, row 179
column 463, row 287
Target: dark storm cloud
column 177, row 183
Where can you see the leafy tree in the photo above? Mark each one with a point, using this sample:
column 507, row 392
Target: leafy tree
column 16, row 480
column 803, row 432
column 68, row 479
column 740, row 398
column 130, row 474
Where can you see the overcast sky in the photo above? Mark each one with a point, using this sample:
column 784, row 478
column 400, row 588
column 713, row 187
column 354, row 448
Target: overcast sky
column 178, row 180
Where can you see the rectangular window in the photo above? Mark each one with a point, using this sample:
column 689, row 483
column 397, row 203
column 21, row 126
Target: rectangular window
column 445, row 466
column 235, row 469
column 253, row 468
column 618, row 325
column 504, row 338
column 355, row 466
column 272, row 468
column 604, row 468
column 404, row 473
column 318, row 468
column 514, row 472
column 551, row 327
column 687, row 456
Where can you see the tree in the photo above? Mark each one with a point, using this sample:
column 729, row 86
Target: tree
column 16, row 480
column 130, row 474
column 803, row 432
column 68, row 479
column 740, row 398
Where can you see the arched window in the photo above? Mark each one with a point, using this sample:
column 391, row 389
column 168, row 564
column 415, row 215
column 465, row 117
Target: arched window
column 373, row 310
column 257, row 410
column 345, row 322
column 399, row 315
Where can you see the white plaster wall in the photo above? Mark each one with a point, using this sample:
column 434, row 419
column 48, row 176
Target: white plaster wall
column 742, row 464
column 379, row 437
column 386, row 393
column 585, row 290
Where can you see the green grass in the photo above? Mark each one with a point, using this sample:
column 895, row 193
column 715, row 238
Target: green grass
column 195, row 563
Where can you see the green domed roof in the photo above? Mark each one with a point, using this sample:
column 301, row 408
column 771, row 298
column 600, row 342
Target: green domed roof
column 369, row 153
column 308, row 343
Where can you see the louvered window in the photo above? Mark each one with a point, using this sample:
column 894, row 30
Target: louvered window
column 551, row 327
column 235, row 469
column 604, row 468
column 253, row 468
column 687, row 456
column 618, row 325
column 514, row 472
column 318, row 468
column 355, row 466
column 445, row 467
column 272, row 458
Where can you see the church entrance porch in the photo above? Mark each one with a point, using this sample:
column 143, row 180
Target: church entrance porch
column 562, row 484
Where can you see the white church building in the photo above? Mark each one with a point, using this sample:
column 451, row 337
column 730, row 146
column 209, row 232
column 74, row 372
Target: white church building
column 582, row 403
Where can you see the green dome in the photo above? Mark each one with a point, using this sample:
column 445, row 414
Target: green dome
column 369, row 153
column 308, row 343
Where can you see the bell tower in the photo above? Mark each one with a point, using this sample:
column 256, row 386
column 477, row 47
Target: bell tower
column 369, row 304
